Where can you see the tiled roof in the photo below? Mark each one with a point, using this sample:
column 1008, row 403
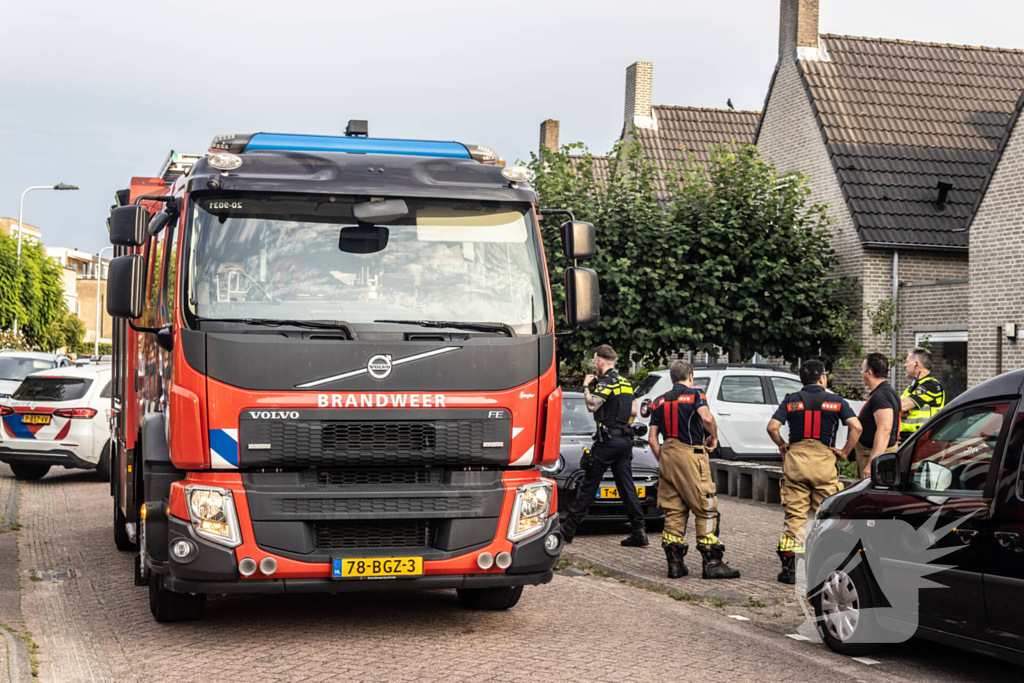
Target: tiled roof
column 600, row 167
column 693, row 130
column 898, row 117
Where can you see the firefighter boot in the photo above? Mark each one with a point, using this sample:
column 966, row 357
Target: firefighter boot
column 788, row 573
column 675, row 554
column 637, row 539
column 714, row 566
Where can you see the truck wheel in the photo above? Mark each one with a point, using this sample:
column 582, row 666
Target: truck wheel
column 490, row 598
column 842, row 608
column 25, row 471
column 103, row 466
column 121, row 538
column 169, row 606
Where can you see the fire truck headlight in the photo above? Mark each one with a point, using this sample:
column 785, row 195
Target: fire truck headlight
column 212, row 513
column 530, row 510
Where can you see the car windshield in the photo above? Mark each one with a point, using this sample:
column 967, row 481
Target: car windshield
column 279, row 257
column 576, row 419
column 18, row 369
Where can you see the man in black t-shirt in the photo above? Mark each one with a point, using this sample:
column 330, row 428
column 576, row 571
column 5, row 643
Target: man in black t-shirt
column 880, row 416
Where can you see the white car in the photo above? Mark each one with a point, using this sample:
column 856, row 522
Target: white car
column 58, row 417
column 17, row 365
column 743, row 398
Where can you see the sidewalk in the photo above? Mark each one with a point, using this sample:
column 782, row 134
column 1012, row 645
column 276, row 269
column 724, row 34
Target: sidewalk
column 749, row 531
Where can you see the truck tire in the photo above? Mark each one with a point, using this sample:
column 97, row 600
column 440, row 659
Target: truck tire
column 121, row 538
column 490, row 598
column 103, row 466
column 838, row 625
column 28, row 471
column 168, row 606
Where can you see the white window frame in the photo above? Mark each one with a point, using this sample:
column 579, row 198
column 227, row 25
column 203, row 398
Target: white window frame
column 940, row 337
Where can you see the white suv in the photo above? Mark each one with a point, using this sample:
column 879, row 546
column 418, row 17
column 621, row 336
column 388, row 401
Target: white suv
column 742, row 398
column 58, row 417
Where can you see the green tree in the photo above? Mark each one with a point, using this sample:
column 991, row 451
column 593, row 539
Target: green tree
column 32, row 290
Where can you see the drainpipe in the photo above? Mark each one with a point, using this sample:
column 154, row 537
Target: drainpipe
column 895, row 299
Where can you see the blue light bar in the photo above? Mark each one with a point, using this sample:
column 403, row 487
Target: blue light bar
column 357, row 145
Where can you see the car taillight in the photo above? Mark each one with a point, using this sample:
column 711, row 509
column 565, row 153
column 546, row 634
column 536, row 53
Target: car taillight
column 6, row 410
column 75, row 413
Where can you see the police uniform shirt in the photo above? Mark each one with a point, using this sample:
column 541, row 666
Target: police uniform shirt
column 926, row 392
column 675, row 414
column 883, row 396
column 617, row 393
column 815, row 423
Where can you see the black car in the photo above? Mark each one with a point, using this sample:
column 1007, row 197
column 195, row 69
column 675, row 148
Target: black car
column 578, row 429
column 947, row 507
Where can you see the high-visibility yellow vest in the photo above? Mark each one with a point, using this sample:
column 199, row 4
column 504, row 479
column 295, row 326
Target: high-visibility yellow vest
column 928, row 396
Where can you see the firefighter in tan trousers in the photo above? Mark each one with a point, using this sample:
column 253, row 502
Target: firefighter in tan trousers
column 809, row 467
column 683, row 419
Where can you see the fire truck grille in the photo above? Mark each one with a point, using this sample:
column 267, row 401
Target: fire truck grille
column 373, row 444
column 365, row 477
column 409, row 533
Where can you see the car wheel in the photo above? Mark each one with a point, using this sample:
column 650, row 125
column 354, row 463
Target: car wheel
column 27, row 471
column 168, row 606
column 103, row 466
column 843, row 609
column 490, row 598
column 121, row 538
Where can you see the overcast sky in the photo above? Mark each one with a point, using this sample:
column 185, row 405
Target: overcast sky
column 96, row 92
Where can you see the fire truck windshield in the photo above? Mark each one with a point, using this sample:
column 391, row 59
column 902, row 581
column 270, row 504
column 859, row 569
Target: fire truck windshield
column 277, row 257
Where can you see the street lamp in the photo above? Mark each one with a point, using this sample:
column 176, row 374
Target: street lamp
column 21, row 212
column 99, row 281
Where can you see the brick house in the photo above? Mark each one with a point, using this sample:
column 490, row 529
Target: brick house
column 667, row 133
column 910, row 146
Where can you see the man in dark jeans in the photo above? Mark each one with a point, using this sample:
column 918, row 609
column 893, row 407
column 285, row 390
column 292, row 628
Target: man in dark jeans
column 611, row 401
column 880, row 415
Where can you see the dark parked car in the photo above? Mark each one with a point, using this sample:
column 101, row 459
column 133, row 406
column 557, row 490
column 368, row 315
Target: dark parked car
column 578, row 433
column 963, row 468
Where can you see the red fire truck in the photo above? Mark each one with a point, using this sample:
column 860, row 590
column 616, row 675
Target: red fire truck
column 334, row 370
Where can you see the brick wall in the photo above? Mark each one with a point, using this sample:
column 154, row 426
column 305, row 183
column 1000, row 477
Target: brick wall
column 928, row 307
column 997, row 266
column 798, row 25
column 639, row 95
column 548, row 136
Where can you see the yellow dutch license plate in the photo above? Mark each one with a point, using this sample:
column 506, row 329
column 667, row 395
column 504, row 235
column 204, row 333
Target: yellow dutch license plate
column 367, row 567
column 610, row 492
column 34, row 419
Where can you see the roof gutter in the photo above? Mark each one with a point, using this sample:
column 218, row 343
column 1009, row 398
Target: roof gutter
column 907, row 245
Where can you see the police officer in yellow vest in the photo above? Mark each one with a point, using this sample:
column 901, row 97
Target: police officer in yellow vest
column 923, row 397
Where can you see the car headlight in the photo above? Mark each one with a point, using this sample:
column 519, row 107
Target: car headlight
column 530, row 510
column 553, row 468
column 212, row 513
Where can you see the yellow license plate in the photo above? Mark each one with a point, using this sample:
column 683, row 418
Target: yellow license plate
column 608, row 492
column 362, row 567
column 35, row 419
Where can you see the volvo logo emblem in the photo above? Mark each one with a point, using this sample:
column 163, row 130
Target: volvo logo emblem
column 379, row 366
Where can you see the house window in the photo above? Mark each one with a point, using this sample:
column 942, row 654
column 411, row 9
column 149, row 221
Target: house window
column 949, row 359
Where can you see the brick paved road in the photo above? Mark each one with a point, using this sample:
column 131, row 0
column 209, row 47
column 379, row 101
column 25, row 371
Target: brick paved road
column 97, row 626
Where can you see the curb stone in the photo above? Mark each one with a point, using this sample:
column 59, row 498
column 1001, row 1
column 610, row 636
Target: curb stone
column 17, row 658
column 731, row 597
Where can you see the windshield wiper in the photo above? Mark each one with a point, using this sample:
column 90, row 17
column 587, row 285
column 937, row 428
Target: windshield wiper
column 275, row 322
column 472, row 327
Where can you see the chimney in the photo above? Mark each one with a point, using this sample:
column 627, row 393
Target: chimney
column 798, row 30
column 639, row 86
column 548, row 136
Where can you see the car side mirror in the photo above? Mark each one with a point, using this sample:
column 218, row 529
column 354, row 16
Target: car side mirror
column 885, row 470
column 128, row 226
column 582, row 297
column 126, row 276
column 579, row 240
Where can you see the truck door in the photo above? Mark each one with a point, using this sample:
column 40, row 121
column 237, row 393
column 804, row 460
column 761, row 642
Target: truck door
column 1004, row 547
column 950, row 471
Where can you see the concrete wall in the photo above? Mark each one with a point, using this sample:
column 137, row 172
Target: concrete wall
column 87, row 307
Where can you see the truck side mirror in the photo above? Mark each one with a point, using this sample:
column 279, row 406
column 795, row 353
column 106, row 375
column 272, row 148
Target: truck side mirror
column 885, row 470
column 579, row 240
column 582, row 297
column 128, row 226
column 126, row 278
